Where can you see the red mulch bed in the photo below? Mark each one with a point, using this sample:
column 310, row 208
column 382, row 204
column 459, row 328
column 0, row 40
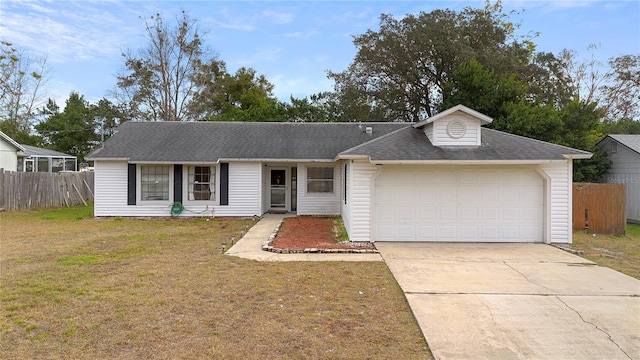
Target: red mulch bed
column 317, row 232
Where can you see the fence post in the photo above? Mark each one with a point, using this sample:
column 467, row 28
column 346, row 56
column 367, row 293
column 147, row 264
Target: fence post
column 1, row 189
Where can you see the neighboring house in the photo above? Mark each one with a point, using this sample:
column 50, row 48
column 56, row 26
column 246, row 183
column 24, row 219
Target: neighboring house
column 35, row 159
column 9, row 152
column 442, row 179
column 624, row 153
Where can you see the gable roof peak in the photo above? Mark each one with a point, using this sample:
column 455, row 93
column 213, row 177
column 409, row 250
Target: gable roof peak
column 484, row 119
column 11, row 141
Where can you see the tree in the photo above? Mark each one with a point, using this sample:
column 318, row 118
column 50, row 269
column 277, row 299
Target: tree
column 72, row 131
column 621, row 94
column 400, row 70
column 481, row 89
column 21, row 80
column 159, row 80
column 243, row 96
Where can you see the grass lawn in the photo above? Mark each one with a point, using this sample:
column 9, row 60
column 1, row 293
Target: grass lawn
column 72, row 286
column 621, row 253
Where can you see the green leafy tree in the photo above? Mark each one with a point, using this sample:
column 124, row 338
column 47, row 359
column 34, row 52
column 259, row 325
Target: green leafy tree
column 243, row 96
column 72, row 131
column 622, row 126
column 400, row 71
column 482, row 89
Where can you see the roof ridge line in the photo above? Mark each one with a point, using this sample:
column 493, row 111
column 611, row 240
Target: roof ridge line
column 373, row 140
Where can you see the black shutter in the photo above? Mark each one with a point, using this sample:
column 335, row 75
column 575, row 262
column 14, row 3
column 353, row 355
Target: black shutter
column 131, row 184
column 177, row 183
column 224, row 183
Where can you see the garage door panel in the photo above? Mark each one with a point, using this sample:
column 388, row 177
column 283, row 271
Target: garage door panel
column 427, row 232
column 468, row 233
column 447, row 213
column 510, row 214
column 467, row 177
column 490, row 214
column 530, row 214
column 468, row 194
column 406, row 233
column 446, row 193
column 510, row 232
column 427, row 212
column 446, row 233
column 467, row 213
column 494, row 204
column 489, row 232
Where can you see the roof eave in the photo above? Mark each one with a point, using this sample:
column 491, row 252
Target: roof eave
column 465, row 162
column 578, row 156
column 484, row 119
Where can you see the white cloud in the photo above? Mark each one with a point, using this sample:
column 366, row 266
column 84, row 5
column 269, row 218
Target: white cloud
column 260, row 56
column 278, row 17
column 65, row 31
column 300, row 34
column 248, row 21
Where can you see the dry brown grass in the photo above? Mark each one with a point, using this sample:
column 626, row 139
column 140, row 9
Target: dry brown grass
column 621, row 253
column 77, row 287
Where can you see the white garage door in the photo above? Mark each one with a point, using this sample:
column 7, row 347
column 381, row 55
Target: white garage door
column 467, row 204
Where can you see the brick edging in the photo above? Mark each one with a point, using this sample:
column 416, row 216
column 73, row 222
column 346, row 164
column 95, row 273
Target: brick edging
column 266, row 246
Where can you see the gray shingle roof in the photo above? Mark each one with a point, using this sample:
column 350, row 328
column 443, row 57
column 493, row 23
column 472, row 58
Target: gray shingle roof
column 37, row 151
column 412, row 144
column 630, row 141
column 210, row 141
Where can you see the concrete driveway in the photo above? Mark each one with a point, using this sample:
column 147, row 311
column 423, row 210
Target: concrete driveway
column 516, row 301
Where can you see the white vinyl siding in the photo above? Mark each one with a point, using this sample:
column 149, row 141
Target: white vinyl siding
column 8, row 156
column 245, row 194
column 358, row 210
column 560, row 189
column 111, row 193
column 345, row 208
column 111, row 189
column 438, row 131
column 318, row 203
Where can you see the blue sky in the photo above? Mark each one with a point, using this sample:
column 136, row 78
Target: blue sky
column 293, row 43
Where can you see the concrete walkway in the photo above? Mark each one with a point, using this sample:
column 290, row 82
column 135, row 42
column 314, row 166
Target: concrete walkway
column 250, row 246
column 516, row 301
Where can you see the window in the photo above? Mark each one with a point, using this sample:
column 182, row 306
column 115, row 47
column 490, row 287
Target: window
column 202, row 183
column 70, row 164
column 57, row 164
column 154, row 182
column 614, row 147
column 320, row 180
column 43, row 164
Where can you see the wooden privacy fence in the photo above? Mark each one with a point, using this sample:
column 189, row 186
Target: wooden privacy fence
column 599, row 208
column 28, row 190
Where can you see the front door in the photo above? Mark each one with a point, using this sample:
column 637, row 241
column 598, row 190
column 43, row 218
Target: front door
column 278, row 189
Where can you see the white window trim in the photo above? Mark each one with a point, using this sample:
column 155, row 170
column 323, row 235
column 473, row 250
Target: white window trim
column 185, row 186
column 319, row 194
column 139, row 186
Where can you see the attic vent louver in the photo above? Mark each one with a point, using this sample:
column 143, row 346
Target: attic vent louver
column 456, row 129
column 369, row 130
